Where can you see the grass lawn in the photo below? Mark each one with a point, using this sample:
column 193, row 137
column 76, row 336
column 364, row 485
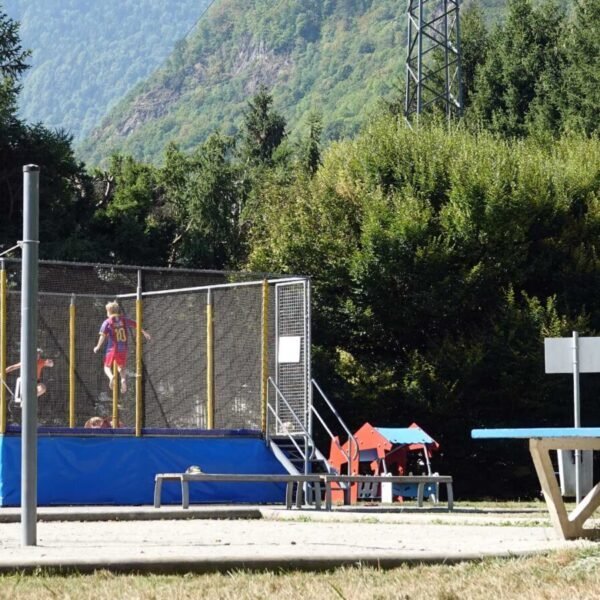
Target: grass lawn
column 565, row 574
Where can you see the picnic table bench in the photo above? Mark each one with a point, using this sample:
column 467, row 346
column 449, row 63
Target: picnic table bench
column 289, row 480
column 316, row 479
column 541, row 441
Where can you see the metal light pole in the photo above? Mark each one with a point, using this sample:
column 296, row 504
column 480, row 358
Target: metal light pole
column 577, row 412
column 29, row 303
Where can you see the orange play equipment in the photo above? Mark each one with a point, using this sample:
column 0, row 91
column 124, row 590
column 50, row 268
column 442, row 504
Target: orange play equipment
column 380, row 451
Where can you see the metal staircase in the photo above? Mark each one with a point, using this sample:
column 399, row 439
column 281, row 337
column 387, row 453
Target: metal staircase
column 308, row 459
column 290, row 411
column 292, row 442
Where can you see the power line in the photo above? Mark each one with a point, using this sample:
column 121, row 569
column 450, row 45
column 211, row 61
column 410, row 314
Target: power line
column 198, row 19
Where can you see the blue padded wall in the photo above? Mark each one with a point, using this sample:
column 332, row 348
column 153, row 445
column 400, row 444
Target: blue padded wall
column 120, row 470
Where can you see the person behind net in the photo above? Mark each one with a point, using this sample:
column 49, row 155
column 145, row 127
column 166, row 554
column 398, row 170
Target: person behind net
column 115, row 329
column 42, row 363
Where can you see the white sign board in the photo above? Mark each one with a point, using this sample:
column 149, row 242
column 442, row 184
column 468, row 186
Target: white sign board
column 289, row 349
column 558, row 353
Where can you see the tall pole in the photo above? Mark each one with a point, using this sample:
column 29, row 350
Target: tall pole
column 3, row 347
column 420, row 63
column 115, row 395
column 29, row 305
column 577, row 412
column 447, row 75
column 139, row 407
column 210, row 363
column 409, row 68
column 459, row 100
column 264, row 378
column 72, row 323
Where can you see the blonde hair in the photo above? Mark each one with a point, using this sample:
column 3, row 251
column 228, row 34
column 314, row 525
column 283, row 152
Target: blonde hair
column 112, row 308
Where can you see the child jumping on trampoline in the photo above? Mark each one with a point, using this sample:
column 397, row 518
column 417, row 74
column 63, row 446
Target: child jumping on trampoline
column 115, row 329
column 42, row 363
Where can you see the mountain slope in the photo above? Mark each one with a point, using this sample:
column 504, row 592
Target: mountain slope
column 337, row 57
column 87, row 55
column 334, row 56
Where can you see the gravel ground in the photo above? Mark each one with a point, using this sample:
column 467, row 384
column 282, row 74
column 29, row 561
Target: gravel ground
column 270, row 537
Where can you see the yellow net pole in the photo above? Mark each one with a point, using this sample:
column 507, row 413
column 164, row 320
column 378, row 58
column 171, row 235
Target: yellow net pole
column 210, row 380
column 72, row 362
column 3, row 347
column 139, row 407
column 115, row 391
column 264, row 355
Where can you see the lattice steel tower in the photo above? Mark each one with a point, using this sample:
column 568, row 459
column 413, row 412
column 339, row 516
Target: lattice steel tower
column 433, row 61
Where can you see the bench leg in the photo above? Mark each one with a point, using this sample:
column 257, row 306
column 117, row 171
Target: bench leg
column 348, row 493
column 308, row 493
column 299, row 494
column 317, row 495
column 420, row 494
column 157, row 491
column 289, row 493
column 450, row 495
column 328, row 495
column 185, row 494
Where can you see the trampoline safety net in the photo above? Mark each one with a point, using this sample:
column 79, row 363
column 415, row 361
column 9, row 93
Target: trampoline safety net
column 175, row 361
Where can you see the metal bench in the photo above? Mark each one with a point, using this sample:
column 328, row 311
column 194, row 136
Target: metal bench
column 290, row 480
column 541, row 441
column 420, row 480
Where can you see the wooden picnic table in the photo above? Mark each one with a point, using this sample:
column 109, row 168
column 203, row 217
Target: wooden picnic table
column 541, row 441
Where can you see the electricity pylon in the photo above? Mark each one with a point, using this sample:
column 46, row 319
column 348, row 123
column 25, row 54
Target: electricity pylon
column 433, row 58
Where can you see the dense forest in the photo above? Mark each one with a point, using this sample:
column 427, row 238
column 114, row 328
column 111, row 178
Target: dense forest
column 336, row 56
column 87, row 55
column 441, row 256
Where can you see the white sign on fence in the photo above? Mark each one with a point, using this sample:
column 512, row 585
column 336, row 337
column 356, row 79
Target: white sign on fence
column 289, row 349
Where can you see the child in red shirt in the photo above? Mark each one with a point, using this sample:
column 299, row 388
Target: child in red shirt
column 115, row 330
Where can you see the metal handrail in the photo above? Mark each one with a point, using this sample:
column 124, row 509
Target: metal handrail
column 292, row 412
column 294, row 415
column 353, row 450
column 331, row 435
column 302, row 454
column 351, row 439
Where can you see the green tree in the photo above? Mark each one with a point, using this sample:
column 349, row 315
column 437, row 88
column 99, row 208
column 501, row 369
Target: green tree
column 263, row 130
column 519, row 82
column 582, row 107
column 12, row 65
column 310, row 149
column 204, row 201
column 66, row 195
column 474, row 44
column 546, row 109
column 128, row 222
column 440, row 261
